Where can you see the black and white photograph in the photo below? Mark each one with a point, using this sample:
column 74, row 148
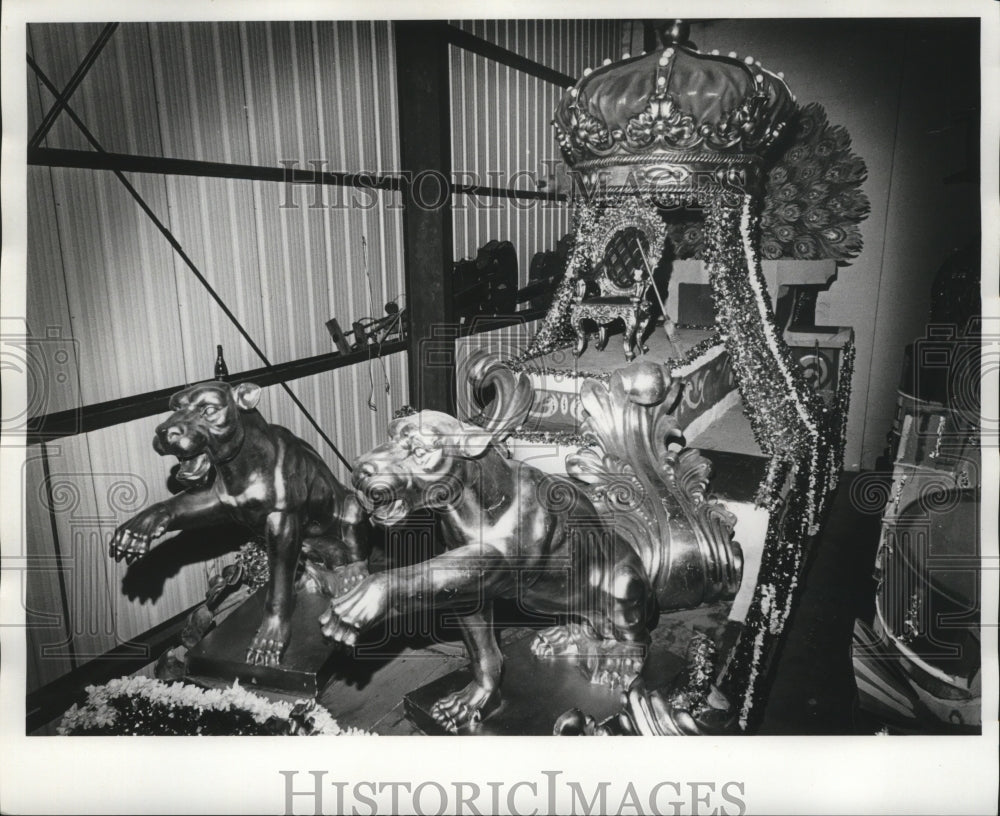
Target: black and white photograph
column 501, row 370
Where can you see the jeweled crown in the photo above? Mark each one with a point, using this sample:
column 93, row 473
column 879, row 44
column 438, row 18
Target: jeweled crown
column 673, row 120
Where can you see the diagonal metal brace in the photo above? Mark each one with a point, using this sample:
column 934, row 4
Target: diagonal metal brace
column 78, row 75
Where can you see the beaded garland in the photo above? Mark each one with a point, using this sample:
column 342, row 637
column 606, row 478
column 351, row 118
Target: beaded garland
column 693, row 353
column 693, row 694
column 556, row 331
column 252, row 560
column 549, row 437
column 519, row 364
column 777, row 400
column 803, row 437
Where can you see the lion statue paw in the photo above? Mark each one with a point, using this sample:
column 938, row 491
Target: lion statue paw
column 469, row 706
column 605, row 661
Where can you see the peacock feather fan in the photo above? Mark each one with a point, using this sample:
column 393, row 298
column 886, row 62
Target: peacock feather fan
column 813, row 202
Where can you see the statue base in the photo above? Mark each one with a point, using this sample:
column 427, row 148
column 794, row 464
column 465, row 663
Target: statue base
column 536, row 692
column 308, row 662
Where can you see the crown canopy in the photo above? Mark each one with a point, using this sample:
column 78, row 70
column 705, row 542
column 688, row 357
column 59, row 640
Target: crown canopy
column 675, row 120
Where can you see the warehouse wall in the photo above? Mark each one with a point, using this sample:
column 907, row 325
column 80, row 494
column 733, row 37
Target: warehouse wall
column 131, row 316
column 501, row 127
column 243, row 93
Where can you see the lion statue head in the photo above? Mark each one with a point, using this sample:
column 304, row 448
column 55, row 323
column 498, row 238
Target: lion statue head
column 206, row 426
column 419, row 467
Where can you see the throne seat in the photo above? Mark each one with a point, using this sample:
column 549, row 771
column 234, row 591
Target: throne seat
column 631, row 308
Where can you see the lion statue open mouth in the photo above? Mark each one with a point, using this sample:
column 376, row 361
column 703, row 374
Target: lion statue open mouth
column 265, row 478
column 193, row 469
column 390, row 514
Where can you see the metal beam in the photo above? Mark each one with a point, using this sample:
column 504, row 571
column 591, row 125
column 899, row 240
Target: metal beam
column 47, row 427
column 78, row 75
column 130, row 163
column 425, row 148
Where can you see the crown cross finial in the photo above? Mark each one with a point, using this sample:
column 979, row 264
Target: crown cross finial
column 676, row 32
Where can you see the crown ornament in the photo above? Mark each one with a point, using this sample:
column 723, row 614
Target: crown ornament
column 676, row 120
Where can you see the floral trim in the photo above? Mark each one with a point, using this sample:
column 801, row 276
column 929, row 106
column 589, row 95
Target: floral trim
column 693, row 353
column 549, row 437
column 803, row 438
column 556, row 331
column 692, row 694
column 519, row 365
column 143, row 706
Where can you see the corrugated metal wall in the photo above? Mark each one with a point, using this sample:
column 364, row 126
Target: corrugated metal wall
column 501, row 127
column 257, row 94
column 133, row 317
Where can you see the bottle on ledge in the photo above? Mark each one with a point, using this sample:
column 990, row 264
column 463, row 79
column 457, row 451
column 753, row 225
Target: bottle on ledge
column 221, row 369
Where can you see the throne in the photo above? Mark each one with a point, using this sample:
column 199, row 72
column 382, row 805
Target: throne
column 626, row 248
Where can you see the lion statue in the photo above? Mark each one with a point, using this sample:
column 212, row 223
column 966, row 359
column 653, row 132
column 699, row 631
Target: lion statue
column 556, row 546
